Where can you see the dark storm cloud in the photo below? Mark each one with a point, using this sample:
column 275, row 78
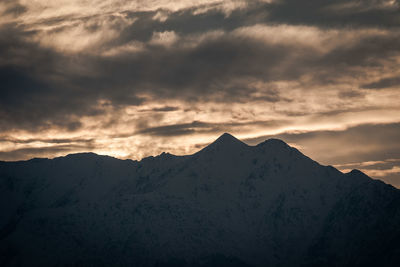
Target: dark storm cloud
column 226, row 65
column 47, row 140
column 29, row 103
column 328, row 13
column 209, row 67
column 27, row 100
column 320, row 115
column 176, row 130
column 217, row 69
column 37, row 88
column 13, row 8
column 204, row 127
column 383, row 83
column 333, row 13
column 42, row 88
column 350, row 60
column 187, row 21
column 368, row 51
column 164, row 109
column 350, row 94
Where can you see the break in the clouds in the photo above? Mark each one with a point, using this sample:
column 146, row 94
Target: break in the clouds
column 135, row 78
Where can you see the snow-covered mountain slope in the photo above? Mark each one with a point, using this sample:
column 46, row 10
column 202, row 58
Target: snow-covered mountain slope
column 229, row 204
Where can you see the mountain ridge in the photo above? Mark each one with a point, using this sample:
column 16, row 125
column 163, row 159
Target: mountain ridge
column 224, row 138
column 229, row 204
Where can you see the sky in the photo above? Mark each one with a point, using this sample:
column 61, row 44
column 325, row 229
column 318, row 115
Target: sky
column 132, row 79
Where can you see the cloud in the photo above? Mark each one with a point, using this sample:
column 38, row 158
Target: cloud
column 46, row 141
column 227, row 61
column 166, row 38
column 333, row 13
column 384, row 173
column 388, row 82
column 198, row 127
column 241, row 65
column 162, row 109
column 350, row 94
column 11, row 9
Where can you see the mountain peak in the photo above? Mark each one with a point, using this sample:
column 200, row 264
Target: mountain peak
column 274, row 142
column 226, row 137
column 226, row 142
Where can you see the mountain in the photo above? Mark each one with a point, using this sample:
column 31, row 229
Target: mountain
column 229, row 204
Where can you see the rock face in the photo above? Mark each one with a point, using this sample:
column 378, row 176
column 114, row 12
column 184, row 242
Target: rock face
column 227, row 205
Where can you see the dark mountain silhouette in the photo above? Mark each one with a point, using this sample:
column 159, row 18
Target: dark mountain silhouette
column 229, row 204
